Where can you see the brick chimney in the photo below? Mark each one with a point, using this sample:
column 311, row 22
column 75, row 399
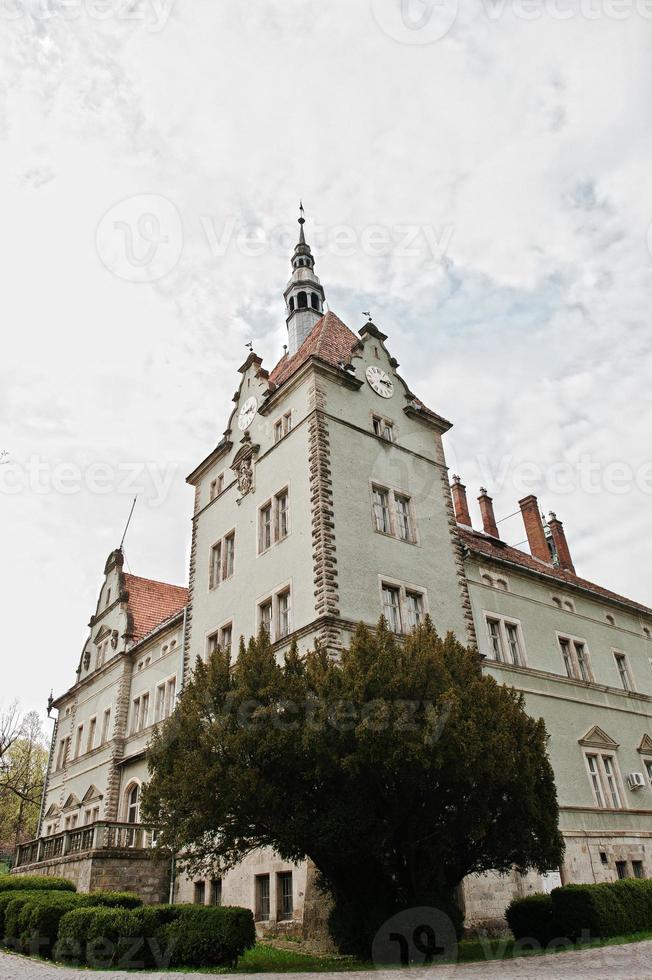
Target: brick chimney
column 487, row 511
column 460, row 503
column 560, row 543
column 536, row 536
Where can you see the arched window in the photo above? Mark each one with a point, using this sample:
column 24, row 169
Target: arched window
column 315, row 301
column 291, row 303
column 302, row 301
column 133, row 804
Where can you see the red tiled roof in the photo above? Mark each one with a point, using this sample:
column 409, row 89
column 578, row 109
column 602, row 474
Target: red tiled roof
column 479, row 543
column 151, row 603
column 330, row 340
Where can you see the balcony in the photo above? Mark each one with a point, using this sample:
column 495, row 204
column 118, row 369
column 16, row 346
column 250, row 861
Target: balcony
column 99, row 836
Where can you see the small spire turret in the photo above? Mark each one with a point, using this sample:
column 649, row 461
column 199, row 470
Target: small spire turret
column 304, row 294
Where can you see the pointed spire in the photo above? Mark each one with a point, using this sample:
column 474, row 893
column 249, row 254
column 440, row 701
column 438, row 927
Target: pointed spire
column 304, row 294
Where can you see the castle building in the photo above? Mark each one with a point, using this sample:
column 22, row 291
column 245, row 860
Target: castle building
column 333, row 440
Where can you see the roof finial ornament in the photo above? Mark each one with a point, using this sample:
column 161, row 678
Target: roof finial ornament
column 367, row 314
column 302, row 221
column 250, row 346
column 457, row 478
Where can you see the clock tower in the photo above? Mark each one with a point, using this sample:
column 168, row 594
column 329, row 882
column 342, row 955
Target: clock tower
column 304, row 294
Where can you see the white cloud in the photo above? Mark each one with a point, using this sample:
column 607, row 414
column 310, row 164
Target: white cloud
column 529, row 141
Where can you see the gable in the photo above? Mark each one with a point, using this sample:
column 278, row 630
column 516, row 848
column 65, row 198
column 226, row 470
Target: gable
column 597, row 738
column 71, row 803
column 645, row 745
column 91, row 794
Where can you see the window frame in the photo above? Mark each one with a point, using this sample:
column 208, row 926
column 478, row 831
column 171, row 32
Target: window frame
column 272, row 600
column 392, row 494
column 573, row 642
column 282, row 426
column 218, row 571
column 503, row 621
column 601, row 776
column 384, row 425
column 273, row 505
column 404, row 589
column 260, row 900
column 491, row 579
column 284, row 913
column 628, row 683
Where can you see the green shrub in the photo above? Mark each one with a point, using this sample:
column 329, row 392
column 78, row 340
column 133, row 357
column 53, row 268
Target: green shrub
column 33, row 883
column 531, row 918
column 208, row 936
column 5, row 899
column 155, row 936
column 34, row 928
column 599, row 911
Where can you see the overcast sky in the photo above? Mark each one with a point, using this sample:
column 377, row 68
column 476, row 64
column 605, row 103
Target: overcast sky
column 477, row 175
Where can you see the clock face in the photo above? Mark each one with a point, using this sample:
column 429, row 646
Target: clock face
column 247, row 413
column 380, row 382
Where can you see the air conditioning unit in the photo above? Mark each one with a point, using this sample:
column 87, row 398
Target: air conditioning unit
column 635, row 780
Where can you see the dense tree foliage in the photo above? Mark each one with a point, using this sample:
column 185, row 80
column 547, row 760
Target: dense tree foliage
column 398, row 769
column 23, row 761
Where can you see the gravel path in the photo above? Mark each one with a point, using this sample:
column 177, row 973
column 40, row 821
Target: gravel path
column 629, row 962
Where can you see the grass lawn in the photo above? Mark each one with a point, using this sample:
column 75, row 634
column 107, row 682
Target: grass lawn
column 267, row 958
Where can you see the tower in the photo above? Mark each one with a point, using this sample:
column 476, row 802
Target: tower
column 304, row 294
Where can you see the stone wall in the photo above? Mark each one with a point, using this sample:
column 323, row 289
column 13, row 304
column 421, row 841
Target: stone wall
column 130, row 871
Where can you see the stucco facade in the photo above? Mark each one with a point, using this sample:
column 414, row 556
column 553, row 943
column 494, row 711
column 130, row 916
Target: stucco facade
column 325, row 503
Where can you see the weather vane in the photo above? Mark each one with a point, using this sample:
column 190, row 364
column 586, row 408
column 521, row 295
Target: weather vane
column 250, row 346
column 367, row 314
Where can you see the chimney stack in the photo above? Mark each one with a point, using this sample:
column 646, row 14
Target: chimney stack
column 560, row 543
column 487, row 511
column 460, row 503
column 536, row 536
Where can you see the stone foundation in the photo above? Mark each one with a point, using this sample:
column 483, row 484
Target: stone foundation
column 139, row 872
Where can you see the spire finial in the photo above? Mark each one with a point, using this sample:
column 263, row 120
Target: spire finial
column 302, row 221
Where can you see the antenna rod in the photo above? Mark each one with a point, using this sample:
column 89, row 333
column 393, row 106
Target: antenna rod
column 128, row 523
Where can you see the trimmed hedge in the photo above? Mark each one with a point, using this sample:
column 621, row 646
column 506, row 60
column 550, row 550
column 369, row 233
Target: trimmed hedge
column 208, row 936
column 158, row 936
column 34, row 883
column 531, row 918
column 32, row 919
column 599, row 911
column 575, row 912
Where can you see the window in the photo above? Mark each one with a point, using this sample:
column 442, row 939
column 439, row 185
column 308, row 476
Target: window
column 273, row 521
column 603, row 857
column 78, row 740
column 302, row 303
column 402, row 508
column 212, row 643
column 392, row 607
column 133, row 804
column 621, row 869
column 281, row 521
column 284, row 613
column 414, row 604
column 265, row 535
column 282, row 426
column 226, row 637
column 144, row 711
column 217, row 486
column 275, row 615
column 569, row 605
column 505, row 640
column 495, row 638
column 610, row 619
column 575, row 657
column 135, row 716
column 392, row 513
column 647, row 632
column 216, row 891
column 199, row 893
column 623, row 670
column 62, row 754
column 215, row 574
column 604, row 780
column 381, row 510
column 265, row 616
column 284, row 895
column 229, row 555
column 556, row 601
column 513, row 643
column 638, row 870
column 108, row 597
column 170, row 696
column 92, row 725
column 106, row 722
column 648, row 768
column 262, row 898
column 159, row 708
column 383, row 428
column 222, row 560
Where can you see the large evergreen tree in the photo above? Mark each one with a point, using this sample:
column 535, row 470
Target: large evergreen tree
column 399, row 769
